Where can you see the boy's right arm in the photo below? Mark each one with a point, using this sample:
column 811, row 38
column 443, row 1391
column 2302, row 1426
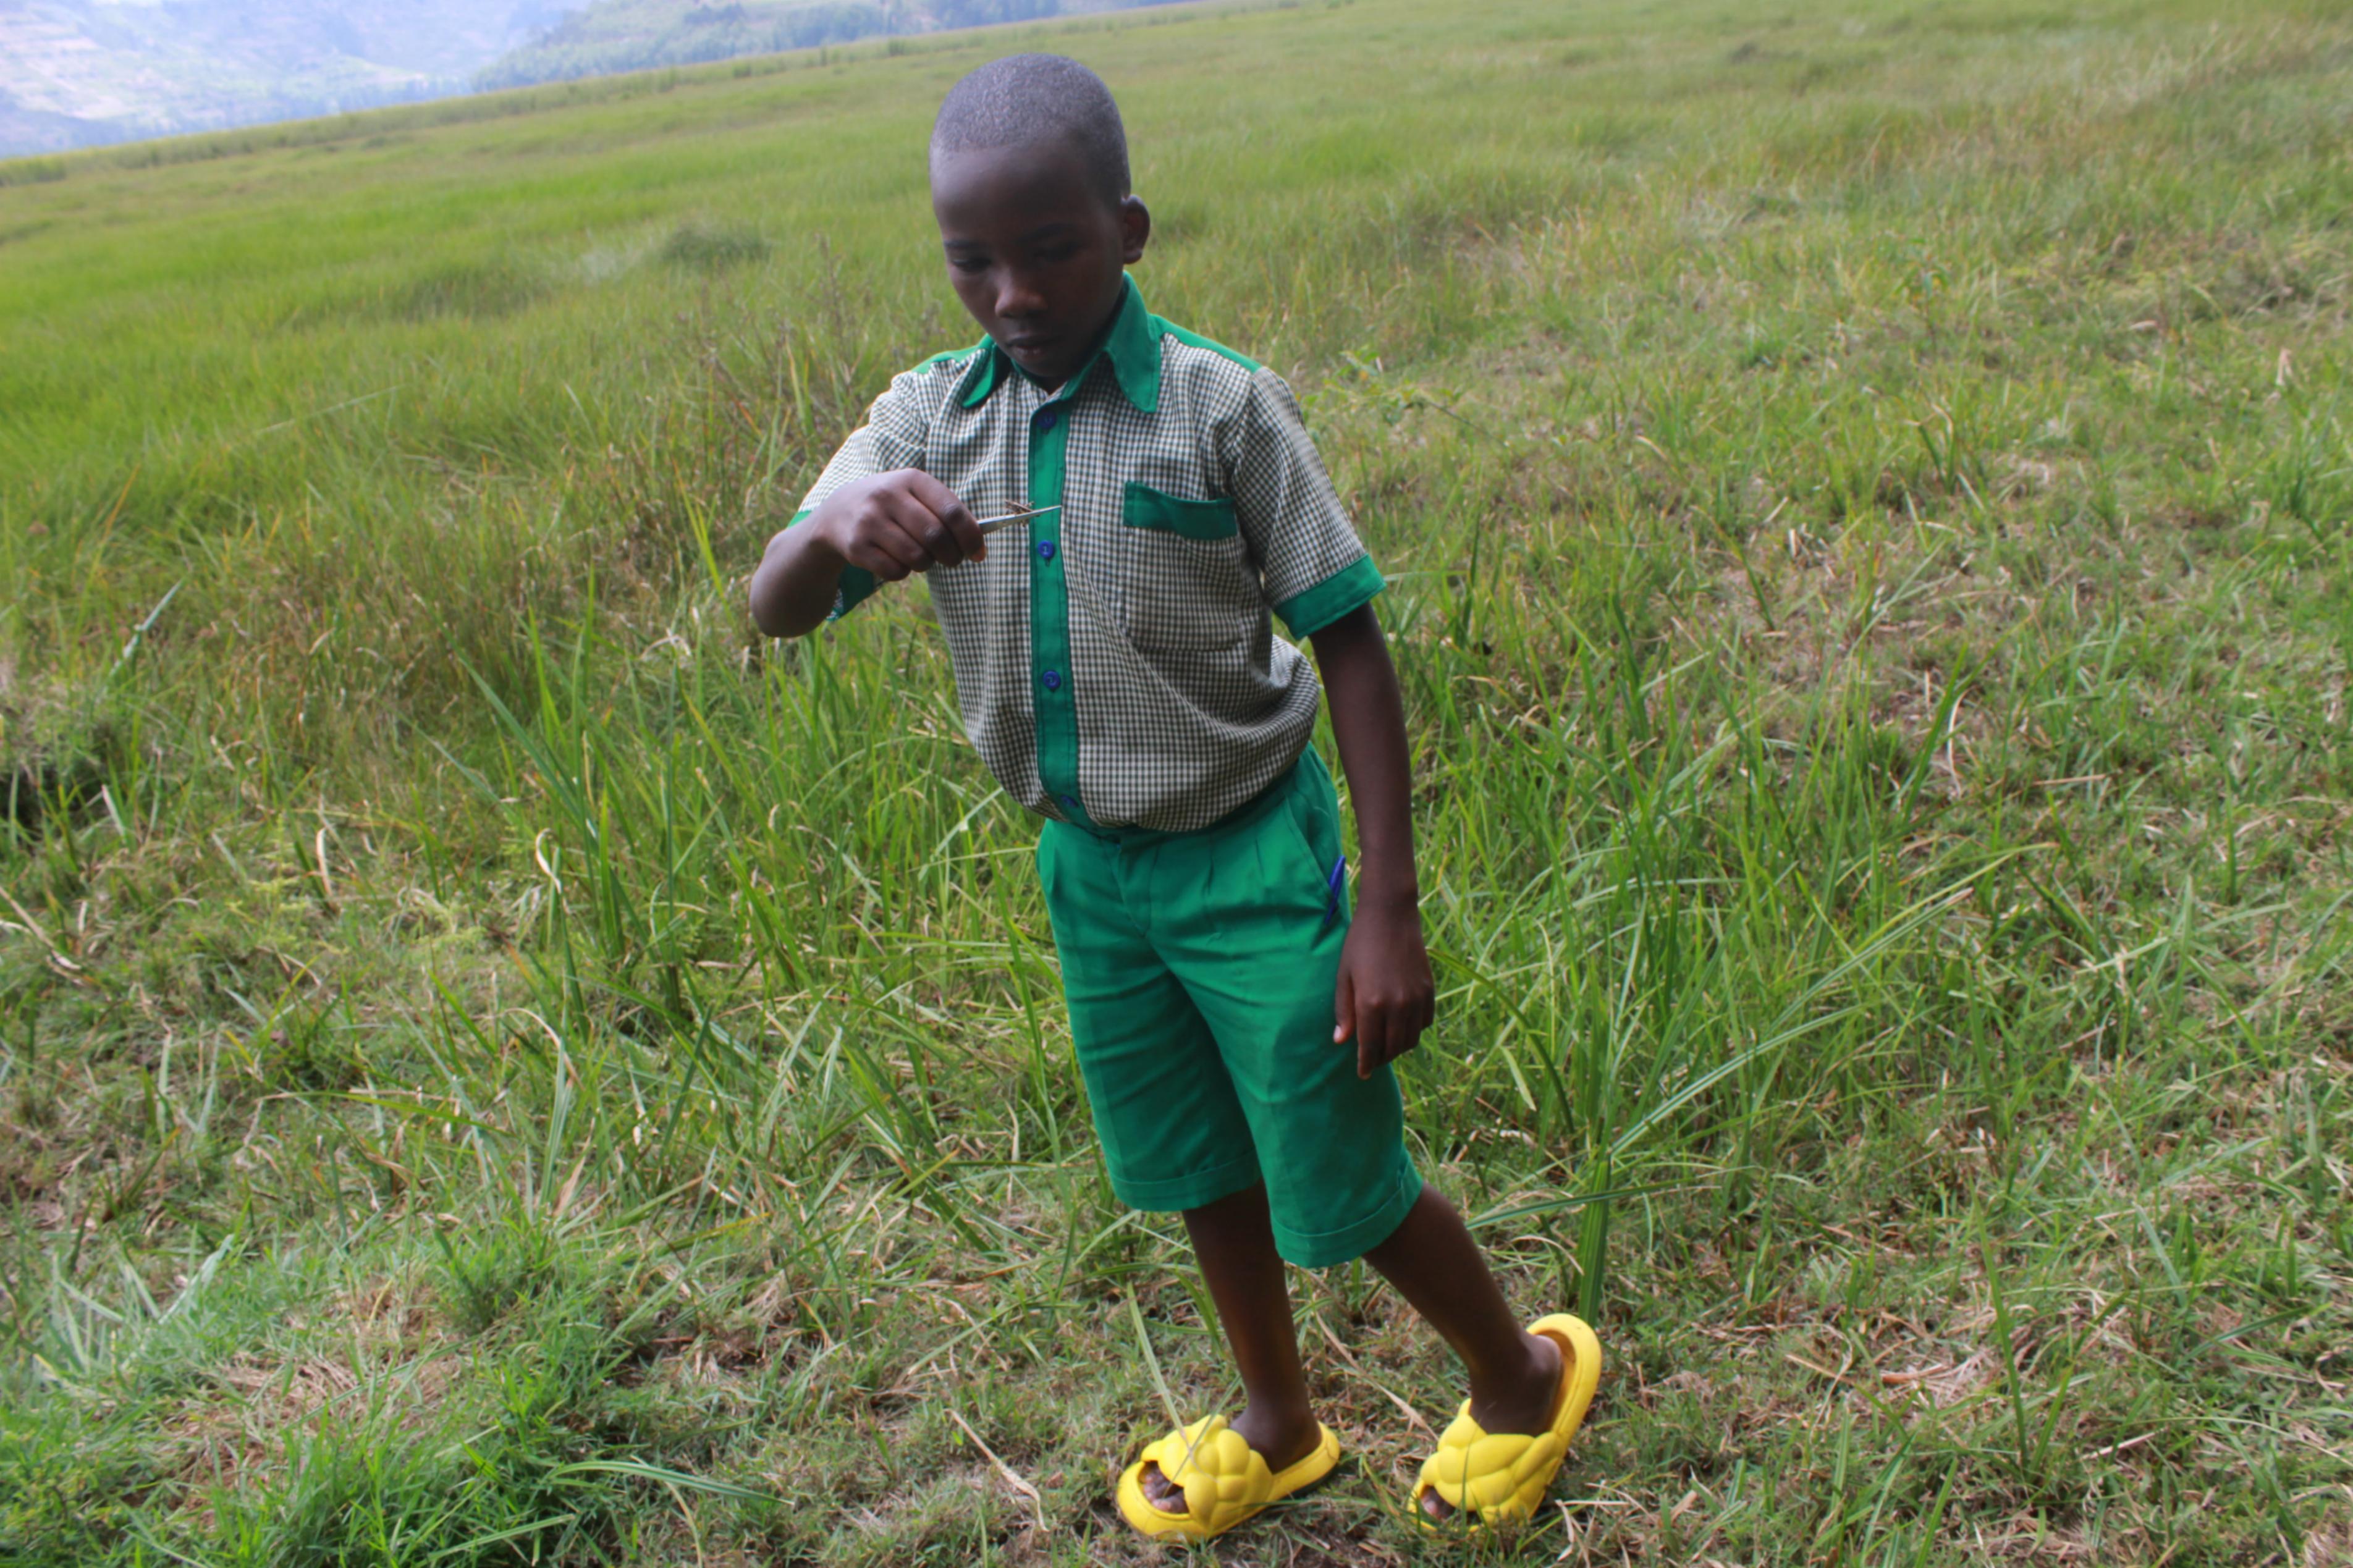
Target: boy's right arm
column 889, row 524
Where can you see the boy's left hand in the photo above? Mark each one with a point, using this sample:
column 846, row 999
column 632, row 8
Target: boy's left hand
column 1386, row 997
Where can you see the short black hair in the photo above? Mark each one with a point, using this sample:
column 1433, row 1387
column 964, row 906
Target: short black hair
column 1023, row 99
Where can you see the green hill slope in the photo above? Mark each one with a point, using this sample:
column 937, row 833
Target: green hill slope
column 499, row 1065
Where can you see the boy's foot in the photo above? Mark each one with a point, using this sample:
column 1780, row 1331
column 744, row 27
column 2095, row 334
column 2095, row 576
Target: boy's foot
column 1522, row 1404
column 1281, row 1445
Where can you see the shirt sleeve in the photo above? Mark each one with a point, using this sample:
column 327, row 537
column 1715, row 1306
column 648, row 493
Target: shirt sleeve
column 1315, row 568
column 892, row 437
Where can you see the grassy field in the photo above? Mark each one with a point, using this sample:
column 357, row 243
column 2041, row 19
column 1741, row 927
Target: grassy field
column 498, row 1066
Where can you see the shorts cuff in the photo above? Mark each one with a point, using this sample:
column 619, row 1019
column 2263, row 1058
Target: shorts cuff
column 1323, row 1249
column 1190, row 1191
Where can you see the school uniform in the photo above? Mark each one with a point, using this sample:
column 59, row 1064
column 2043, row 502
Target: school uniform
column 1117, row 670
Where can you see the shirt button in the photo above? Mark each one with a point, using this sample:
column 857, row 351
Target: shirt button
column 1046, row 417
column 1054, row 678
column 1071, row 800
column 1045, row 550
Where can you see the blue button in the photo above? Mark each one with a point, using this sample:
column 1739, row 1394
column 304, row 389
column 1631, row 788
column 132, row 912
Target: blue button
column 1045, row 550
column 1054, row 678
column 1046, row 417
column 1071, row 800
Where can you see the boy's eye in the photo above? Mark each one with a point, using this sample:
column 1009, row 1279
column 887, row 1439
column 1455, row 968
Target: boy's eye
column 1055, row 255
column 968, row 264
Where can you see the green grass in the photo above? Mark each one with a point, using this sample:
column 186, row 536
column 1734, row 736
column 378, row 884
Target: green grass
column 499, row 1066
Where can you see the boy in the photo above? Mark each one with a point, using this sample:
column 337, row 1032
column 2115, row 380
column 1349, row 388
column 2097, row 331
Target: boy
column 1116, row 670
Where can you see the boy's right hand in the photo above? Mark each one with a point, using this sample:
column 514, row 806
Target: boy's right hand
column 897, row 523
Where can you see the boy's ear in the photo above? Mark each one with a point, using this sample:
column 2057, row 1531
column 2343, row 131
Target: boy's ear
column 1134, row 229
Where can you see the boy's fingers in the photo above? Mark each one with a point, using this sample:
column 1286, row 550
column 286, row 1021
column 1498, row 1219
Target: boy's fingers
column 1405, row 1024
column 955, row 518
column 932, row 541
column 886, row 550
column 931, row 533
column 1372, row 1038
column 873, row 557
column 1343, row 1009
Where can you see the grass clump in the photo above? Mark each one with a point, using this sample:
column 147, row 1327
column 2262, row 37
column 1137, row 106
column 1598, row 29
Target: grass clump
column 478, row 290
column 712, row 248
column 498, row 1064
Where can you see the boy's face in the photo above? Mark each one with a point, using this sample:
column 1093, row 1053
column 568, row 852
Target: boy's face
column 1034, row 249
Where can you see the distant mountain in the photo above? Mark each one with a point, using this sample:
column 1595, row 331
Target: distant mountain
column 77, row 72
column 637, row 35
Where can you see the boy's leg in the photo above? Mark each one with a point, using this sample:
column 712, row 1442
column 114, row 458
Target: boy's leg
column 1438, row 1269
column 1172, row 1132
column 1246, row 920
column 1234, row 1241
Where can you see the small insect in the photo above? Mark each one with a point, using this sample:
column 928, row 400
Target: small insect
column 991, row 524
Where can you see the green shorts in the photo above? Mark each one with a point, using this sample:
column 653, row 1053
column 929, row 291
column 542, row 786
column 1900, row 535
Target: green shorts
column 1199, row 968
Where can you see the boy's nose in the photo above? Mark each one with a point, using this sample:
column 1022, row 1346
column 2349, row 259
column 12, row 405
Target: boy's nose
column 1018, row 297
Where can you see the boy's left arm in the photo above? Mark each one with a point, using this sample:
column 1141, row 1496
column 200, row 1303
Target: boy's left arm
column 1385, row 996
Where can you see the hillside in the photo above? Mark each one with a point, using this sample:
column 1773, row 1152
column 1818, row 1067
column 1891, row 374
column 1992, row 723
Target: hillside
column 79, row 72
column 499, row 1064
column 636, row 35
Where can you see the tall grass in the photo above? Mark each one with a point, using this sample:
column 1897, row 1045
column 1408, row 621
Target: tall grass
column 499, row 1064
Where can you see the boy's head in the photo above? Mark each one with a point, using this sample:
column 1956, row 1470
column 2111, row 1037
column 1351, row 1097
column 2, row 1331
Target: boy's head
column 1029, row 186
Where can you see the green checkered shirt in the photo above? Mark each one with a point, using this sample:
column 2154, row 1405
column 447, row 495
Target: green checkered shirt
column 1116, row 660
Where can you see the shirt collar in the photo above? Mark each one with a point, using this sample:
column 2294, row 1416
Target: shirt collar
column 1133, row 346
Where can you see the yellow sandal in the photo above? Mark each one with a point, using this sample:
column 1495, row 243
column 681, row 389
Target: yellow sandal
column 1225, row 1480
column 1503, row 1475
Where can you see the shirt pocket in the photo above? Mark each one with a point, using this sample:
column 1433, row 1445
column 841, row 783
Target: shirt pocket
column 1140, row 506
column 1188, row 584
